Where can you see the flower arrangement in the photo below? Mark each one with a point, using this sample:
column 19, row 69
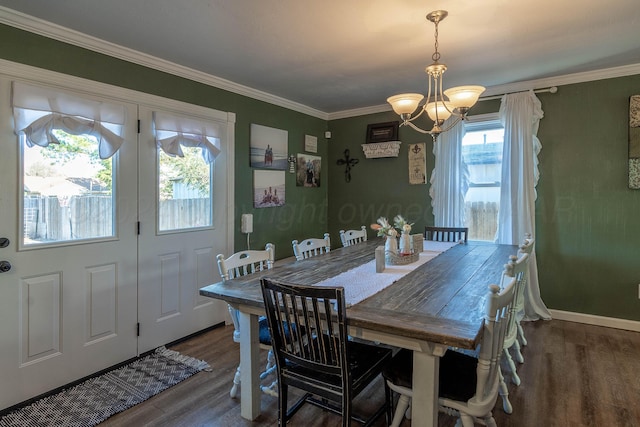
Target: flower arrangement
column 385, row 228
column 395, row 255
column 402, row 224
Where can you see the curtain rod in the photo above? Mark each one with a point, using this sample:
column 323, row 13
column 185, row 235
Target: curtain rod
column 552, row 89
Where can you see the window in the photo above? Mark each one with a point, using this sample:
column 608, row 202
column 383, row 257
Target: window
column 184, row 190
column 482, row 152
column 68, row 141
column 68, row 191
column 187, row 148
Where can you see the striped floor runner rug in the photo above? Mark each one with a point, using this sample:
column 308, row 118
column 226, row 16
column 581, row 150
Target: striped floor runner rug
column 98, row 398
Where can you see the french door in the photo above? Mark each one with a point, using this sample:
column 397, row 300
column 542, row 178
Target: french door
column 74, row 307
column 177, row 251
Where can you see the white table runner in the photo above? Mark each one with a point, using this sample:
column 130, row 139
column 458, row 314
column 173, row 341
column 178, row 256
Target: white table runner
column 363, row 281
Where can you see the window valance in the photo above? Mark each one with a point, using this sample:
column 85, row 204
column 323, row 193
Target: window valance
column 38, row 111
column 173, row 132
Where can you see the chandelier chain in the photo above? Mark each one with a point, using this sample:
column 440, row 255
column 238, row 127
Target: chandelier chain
column 436, row 55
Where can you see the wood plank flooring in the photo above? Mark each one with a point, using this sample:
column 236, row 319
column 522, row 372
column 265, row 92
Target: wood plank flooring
column 574, row 375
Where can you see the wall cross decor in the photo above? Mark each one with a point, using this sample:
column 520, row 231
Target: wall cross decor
column 349, row 163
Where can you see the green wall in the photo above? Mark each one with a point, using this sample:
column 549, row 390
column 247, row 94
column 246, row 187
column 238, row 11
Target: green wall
column 587, row 220
column 304, row 214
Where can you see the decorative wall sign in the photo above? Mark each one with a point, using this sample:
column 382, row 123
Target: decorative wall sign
column 634, row 142
column 269, row 147
column 381, row 149
column 310, row 144
column 417, row 163
column 268, row 188
column 308, row 170
column 382, row 132
column 349, row 163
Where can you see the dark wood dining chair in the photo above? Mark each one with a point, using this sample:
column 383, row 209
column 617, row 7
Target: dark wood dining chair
column 469, row 384
column 446, row 234
column 308, row 327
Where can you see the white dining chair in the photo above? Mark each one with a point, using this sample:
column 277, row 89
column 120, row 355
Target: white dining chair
column 526, row 247
column 517, row 268
column 311, row 247
column 352, row 237
column 241, row 264
column 468, row 385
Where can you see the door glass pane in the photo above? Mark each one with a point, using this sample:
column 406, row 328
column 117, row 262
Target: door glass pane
column 68, row 191
column 482, row 152
column 184, row 193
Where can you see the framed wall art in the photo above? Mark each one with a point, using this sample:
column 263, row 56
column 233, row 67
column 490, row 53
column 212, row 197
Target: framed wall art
column 268, row 147
column 634, row 142
column 308, row 170
column 268, row 188
column 311, row 143
column 382, row 132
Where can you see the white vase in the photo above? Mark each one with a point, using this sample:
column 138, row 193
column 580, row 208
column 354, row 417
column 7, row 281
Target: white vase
column 391, row 245
column 405, row 244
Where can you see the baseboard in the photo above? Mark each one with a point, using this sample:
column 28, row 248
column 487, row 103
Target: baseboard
column 591, row 319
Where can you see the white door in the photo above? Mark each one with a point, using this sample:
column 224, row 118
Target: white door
column 183, row 226
column 71, row 305
column 68, row 303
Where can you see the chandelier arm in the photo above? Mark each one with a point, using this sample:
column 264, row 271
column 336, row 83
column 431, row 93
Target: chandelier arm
column 421, row 108
column 439, row 92
column 418, row 129
column 455, row 122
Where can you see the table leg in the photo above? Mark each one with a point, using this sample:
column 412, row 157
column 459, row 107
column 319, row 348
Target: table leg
column 426, row 374
column 249, row 373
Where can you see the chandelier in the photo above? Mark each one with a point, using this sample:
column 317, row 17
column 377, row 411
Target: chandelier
column 442, row 104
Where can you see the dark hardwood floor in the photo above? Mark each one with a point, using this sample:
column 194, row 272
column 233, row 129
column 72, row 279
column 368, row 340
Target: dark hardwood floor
column 574, row 375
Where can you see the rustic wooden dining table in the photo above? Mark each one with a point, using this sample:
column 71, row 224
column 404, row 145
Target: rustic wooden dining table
column 437, row 305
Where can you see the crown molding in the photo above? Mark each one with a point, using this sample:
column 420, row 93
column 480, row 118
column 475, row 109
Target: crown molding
column 38, row 26
column 44, row 28
column 587, row 76
column 40, row 76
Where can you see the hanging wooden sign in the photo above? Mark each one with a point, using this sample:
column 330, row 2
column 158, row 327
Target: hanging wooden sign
column 417, row 163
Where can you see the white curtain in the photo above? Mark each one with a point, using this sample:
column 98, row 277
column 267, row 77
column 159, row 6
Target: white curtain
column 174, row 131
column 520, row 114
column 38, row 111
column 450, row 178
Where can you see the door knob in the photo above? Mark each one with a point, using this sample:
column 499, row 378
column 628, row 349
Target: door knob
column 4, row 242
column 5, row 266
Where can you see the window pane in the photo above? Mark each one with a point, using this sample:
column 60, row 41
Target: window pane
column 68, row 191
column 482, row 151
column 184, row 191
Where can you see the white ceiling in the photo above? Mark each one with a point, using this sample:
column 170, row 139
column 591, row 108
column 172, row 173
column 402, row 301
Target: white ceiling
column 337, row 55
